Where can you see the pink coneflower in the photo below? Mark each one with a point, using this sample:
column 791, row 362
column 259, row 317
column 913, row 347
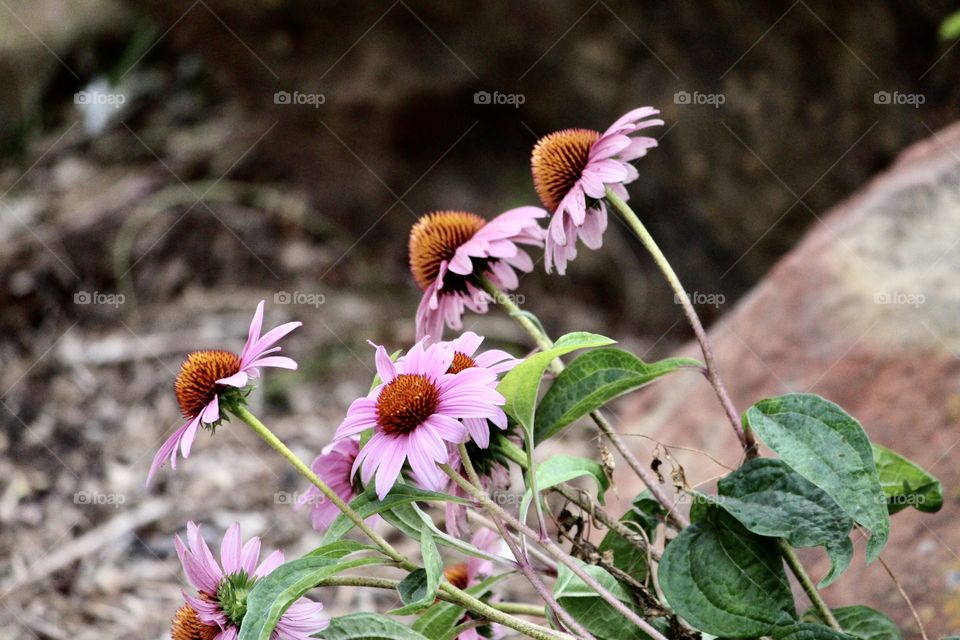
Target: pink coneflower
column 206, row 376
column 415, row 412
column 334, row 466
column 571, row 170
column 448, row 249
column 217, row 611
column 473, row 572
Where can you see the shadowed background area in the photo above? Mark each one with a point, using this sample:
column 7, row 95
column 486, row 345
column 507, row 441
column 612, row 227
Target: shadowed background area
column 165, row 165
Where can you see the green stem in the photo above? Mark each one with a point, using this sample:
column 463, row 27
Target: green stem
column 556, row 551
column 545, row 343
column 808, row 587
column 744, row 433
column 520, row 608
column 453, row 594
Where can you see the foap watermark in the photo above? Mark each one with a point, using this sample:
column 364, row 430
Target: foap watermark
column 298, row 98
column 703, row 299
column 517, row 299
column 512, row 99
column 94, row 97
column 88, row 498
column 712, row 99
column 298, row 498
column 299, row 297
column 507, row 498
column 900, row 298
column 896, row 98
column 100, row 298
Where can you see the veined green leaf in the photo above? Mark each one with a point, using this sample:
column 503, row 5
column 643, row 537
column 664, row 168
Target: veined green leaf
column 906, row 484
column 368, row 626
column 860, row 621
column 419, row 589
column 808, row 631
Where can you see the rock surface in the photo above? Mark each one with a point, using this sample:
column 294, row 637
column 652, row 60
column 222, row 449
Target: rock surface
column 865, row 312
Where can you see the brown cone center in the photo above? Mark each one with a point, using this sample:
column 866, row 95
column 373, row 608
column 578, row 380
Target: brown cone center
column 405, row 403
column 557, row 162
column 196, row 384
column 436, row 237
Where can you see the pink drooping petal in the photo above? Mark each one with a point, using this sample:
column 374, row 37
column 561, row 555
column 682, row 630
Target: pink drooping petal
column 238, row 380
column 279, row 362
column 230, row 550
column 167, row 450
column 211, row 413
column 269, row 563
column 250, row 554
column 390, row 465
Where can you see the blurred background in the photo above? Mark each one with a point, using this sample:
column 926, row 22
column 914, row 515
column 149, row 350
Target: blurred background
column 164, row 165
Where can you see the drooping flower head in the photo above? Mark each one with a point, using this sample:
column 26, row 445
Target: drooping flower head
column 415, row 412
column 449, row 249
column 208, row 377
column 217, row 610
column 334, row 466
column 473, row 572
column 571, row 170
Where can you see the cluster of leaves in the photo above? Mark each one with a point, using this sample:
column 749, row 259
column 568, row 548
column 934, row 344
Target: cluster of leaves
column 723, row 576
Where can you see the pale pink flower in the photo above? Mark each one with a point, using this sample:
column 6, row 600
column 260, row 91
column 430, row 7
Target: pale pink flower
column 334, row 466
column 450, row 249
column 571, row 171
column 206, row 375
column 218, row 608
column 415, row 412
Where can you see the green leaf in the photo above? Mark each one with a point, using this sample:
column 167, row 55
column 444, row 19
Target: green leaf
column 592, row 380
column 272, row 594
column 521, row 385
column 558, row 469
column 905, row 484
column 770, row 499
column 419, row 592
column 594, row 613
column 862, row 622
column 724, row 580
column 340, row 549
column 368, row 626
column 808, row 631
column 409, row 519
column 950, row 27
column 822, row 443
column 442, row 617
column 366, row 504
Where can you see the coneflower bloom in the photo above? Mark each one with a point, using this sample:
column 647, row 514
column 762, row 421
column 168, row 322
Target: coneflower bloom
column 473, row 572
column 571, row 170
column 205, row 376
column 217, row 611
column 448, row 249
column 494, row 360
column 415, row 412
column 334, row 466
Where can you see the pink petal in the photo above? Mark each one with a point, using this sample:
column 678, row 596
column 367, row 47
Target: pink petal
column 230, row 550
column 238, row 380
column 271, row 562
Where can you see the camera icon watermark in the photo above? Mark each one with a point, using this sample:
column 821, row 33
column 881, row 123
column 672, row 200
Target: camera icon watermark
column 93, row 97
column 700, row 298
column 896, row 98
column 899, row 298
column 496, row 98
column 711, row 99
column 97, row 297
column 95, row 498
column 515, row 299
column 299, row 297
column 298, row 499
column 298, row 98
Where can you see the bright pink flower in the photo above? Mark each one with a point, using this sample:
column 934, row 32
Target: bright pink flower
column 205, row 375
column 223, row 587
column 449, row 249
column 335, row 467
column 571, row 171
column 415, row 412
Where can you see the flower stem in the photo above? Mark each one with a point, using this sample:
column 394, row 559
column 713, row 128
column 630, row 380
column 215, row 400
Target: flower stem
column 522, row 560
column 808, row 587
column 544, row 342
column 453, row 594
column 556, row 551
column 744, row 433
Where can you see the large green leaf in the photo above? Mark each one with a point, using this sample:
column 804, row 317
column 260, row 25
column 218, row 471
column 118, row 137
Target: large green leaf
column 772, row 500
column 521, row 385
column 808, row 631
column 905, row 484
column 557, row 469
column 272, row 594
column 442, row 617
column 587, row 608
column 368, row 626
column 862, row 622
column 340, row 549
column 724, row 580
column 419, row 589
column 822, row 443
column 592, row 380
column 367, row 504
